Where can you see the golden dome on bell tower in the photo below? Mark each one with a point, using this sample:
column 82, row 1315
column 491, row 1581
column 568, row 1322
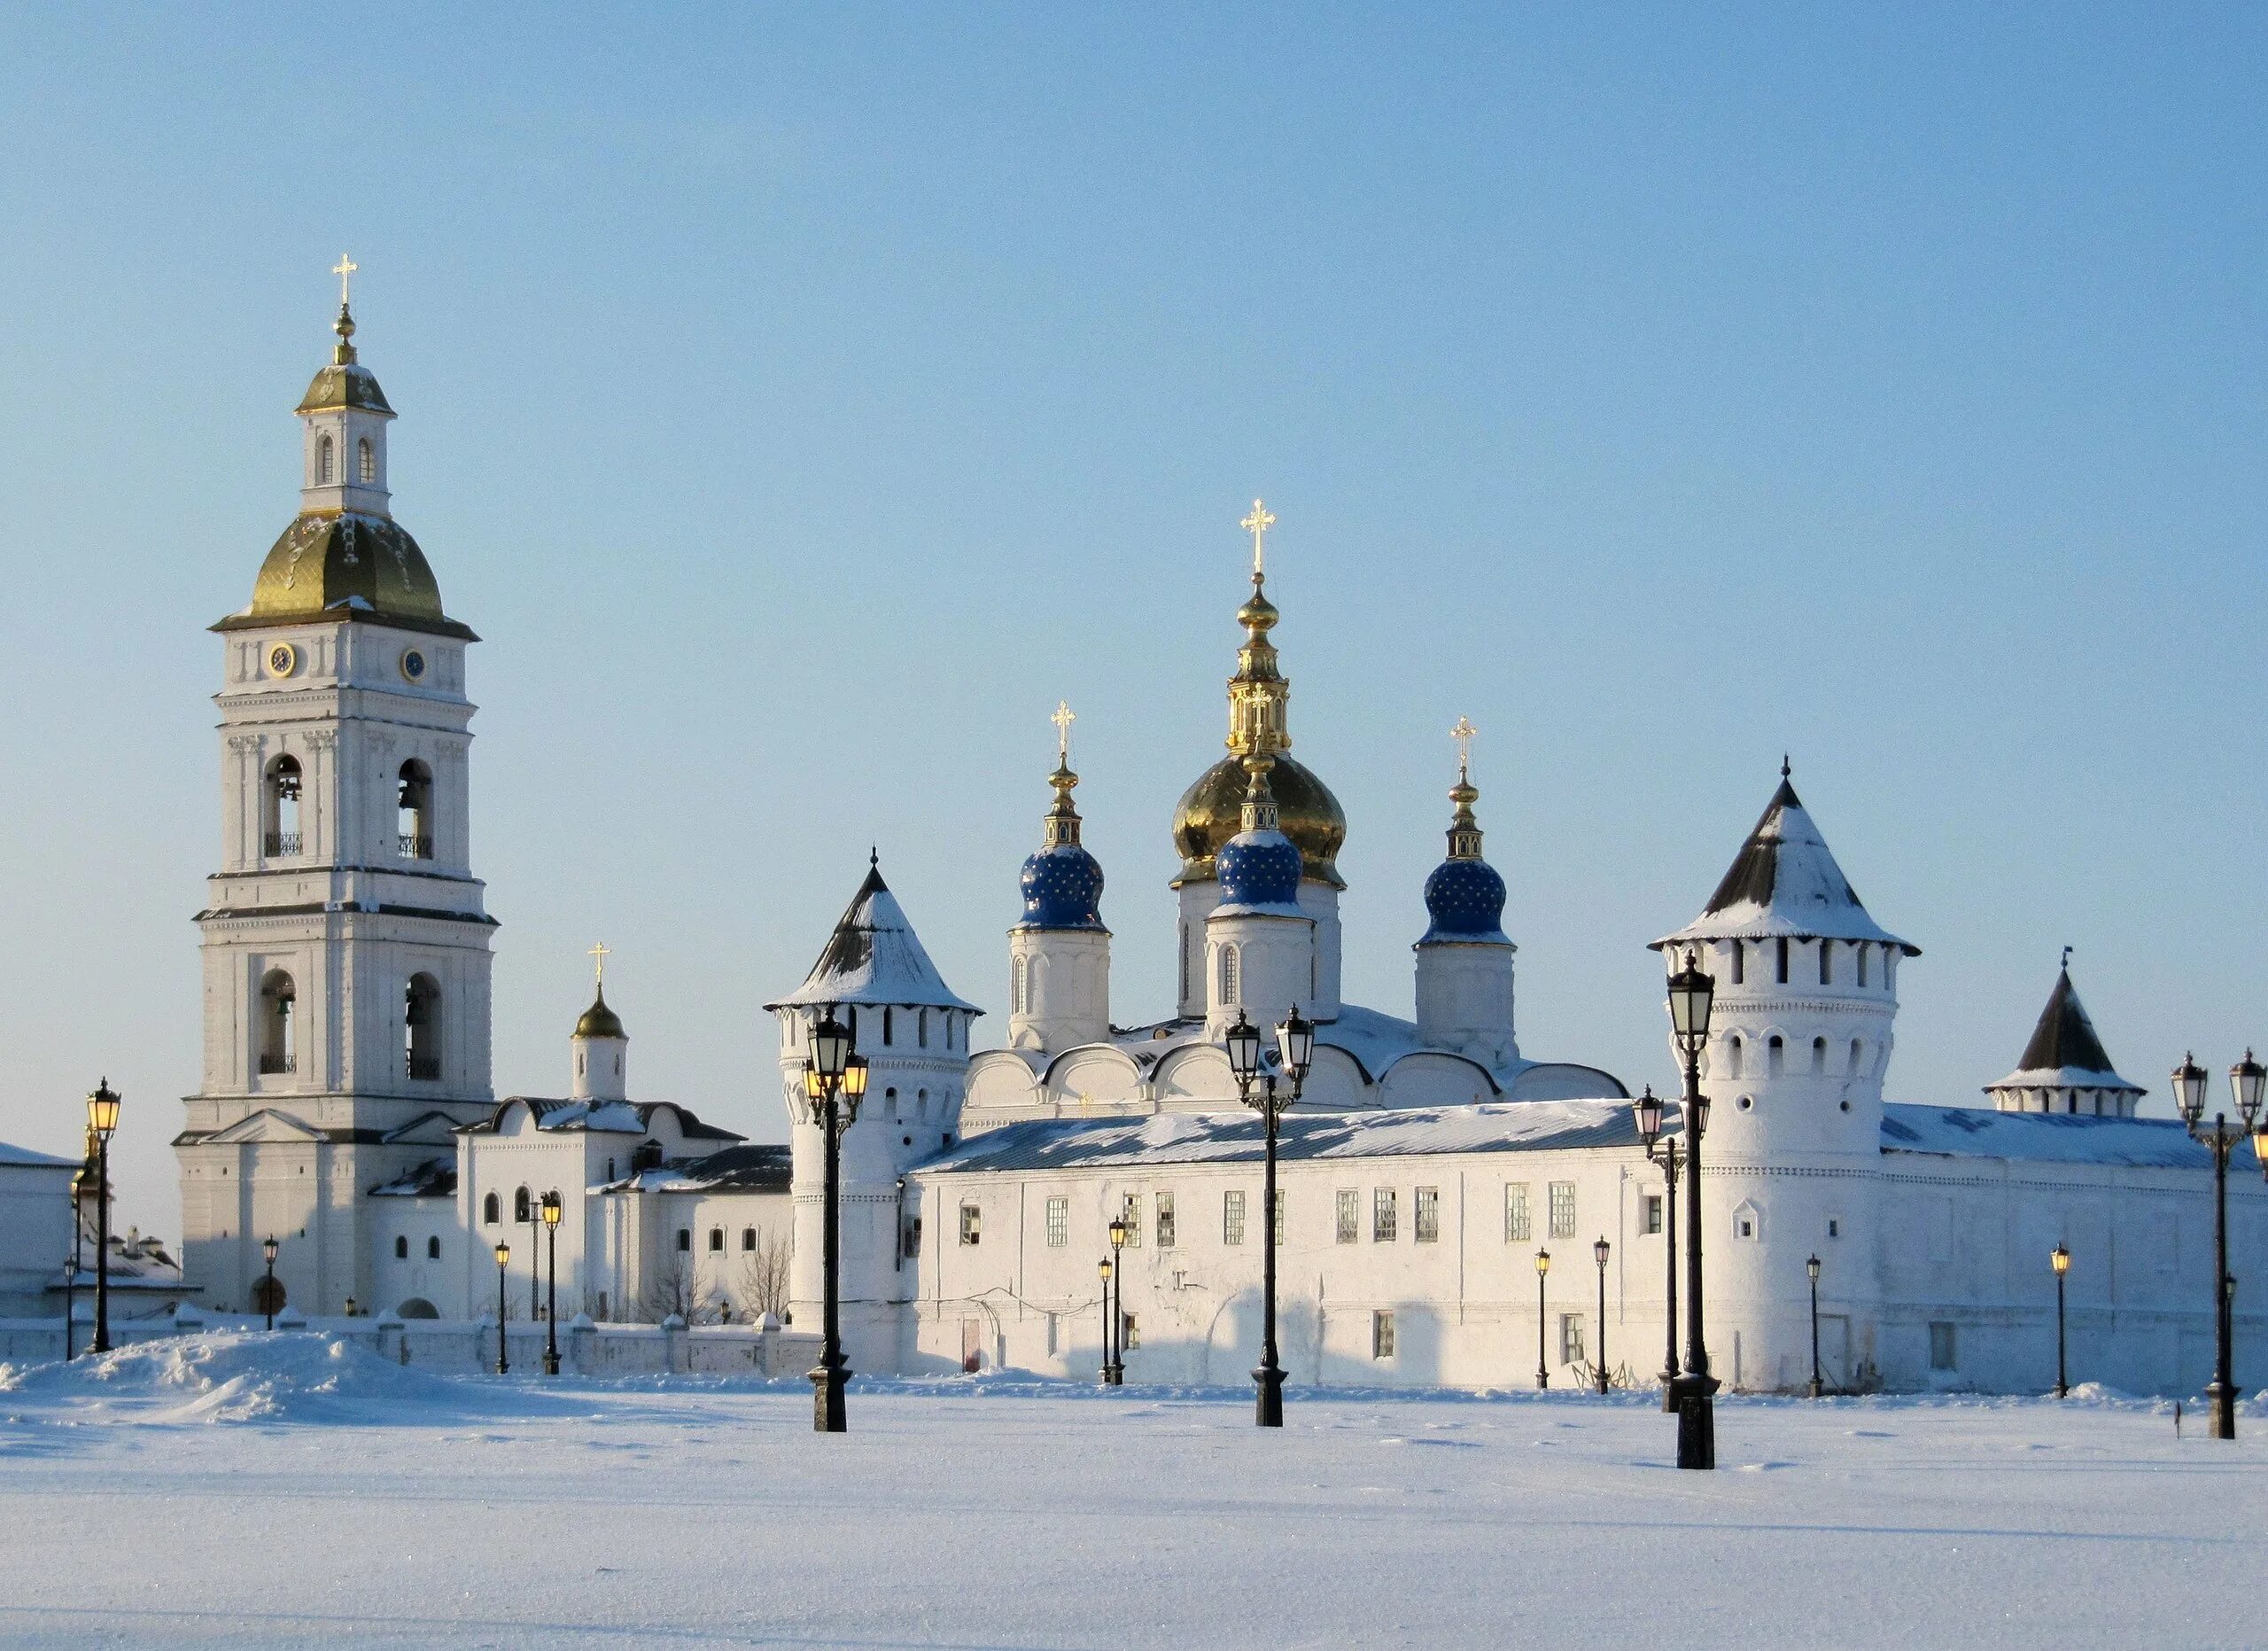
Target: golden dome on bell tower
column 1211, row 811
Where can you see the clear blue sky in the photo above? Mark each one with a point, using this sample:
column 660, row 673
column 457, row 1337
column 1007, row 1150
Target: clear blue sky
column 800, row 401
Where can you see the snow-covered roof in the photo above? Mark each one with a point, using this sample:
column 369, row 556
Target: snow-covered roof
column 874, row 957
column 2045, row 1137
column 435, row 1178
column 2065, row 1052
column 613, row 1118
column 1785, row 882
column 764, row 1167
column 24, row 1158
column 1229, row 1138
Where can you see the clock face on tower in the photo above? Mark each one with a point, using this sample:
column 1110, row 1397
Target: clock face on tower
column 412, row 665
column 283, row 659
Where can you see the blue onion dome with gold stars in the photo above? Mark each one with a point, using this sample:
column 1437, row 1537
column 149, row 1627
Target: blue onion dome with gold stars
column 1259, row 867
column 1465, row 896
column 1062, row 883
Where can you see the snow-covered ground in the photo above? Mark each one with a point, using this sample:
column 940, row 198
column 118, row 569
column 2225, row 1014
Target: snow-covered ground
column 290, row 1489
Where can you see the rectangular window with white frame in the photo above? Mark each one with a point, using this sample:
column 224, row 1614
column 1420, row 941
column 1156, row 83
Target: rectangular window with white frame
column 1130, row 1213
column 1429, row 1215
column 1563, row 1209
column 1165, row 1221
column 1385, row 1215
column 1382, row 1334
column 1571, row 1347
column 1653, row 1215
column 1232, row 1218
column 1350, row 1215
column 972, row 1224
column 1518, row 1227
column 1059, row 1223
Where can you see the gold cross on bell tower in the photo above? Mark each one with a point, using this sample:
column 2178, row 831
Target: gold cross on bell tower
column 598, row 955
column 1463, row 734
column 344, row 269
column 1257, row 525
column 1063, row 718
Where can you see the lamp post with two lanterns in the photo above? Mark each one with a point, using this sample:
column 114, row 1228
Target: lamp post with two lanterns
column 2245, row 1082
column 552, row 1210
column 835, row 1082
column 1294, row 1051
column 102, row 1117
column 1665, row 1151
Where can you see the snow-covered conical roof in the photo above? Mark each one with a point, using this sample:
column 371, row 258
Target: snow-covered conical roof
column 1785, row 882
column 874, row 957
column 2065, row 1052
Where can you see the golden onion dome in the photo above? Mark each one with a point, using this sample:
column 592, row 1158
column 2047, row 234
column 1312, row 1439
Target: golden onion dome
column 1212, row 810
column 599, row 1021
column 346, row 565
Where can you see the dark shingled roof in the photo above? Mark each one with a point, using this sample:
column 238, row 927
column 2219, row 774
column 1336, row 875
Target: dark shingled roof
column 2065, row 1036
column 874, row 957
column 1785, row 883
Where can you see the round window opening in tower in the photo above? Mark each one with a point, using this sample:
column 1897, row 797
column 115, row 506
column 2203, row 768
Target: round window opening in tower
column 1748, row 1103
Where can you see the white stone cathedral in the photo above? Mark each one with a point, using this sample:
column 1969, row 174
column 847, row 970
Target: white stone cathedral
column 1453, row 1211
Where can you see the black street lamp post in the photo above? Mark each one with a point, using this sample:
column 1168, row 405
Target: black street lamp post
column 71, row 1292
column 2245, row 1079
column 503, row 1260
column 552, row 1210
column 1113, row 1369
column 535, row 1258
column 2060, row 1258
column 102, row 1114
column 1690, row 994
column 1542, row 1269
column 1663, row 1150
column 1600, row 1250
column 1104, row 1270
column 1811, row 1268
column 268, row 1249
column 1294, row 1049
column 835, row 1082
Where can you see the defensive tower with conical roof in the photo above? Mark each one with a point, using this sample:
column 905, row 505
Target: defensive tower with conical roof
column 2063, row 1068
column 346, row 942
column 1211, row 811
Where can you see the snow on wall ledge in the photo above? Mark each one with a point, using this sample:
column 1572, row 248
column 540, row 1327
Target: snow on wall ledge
column 2048, row 1137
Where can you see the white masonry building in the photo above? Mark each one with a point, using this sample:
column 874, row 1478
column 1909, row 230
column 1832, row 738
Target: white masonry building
column 1430, row 1169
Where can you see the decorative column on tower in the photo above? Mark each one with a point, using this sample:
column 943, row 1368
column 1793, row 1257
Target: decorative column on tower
column 1211, row 810
column 1465, row 959
column 1260, row 943
column 1059, row 955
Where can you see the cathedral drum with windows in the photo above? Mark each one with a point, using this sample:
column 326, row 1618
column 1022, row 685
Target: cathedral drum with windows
column 345, row 942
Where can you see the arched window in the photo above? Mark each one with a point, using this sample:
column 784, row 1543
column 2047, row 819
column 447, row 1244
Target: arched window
column 280, row 807
column 414, row 805
column 1019, row 984
column 922, row 1028
column 1772, row 1056
column 890, row 1103
column 520, row 1204
column 401, row 1247
column 716, row 1241
column 1230, row 984
column 278, row 1038
column 1858, row 1050
column 326, row 461
column 366, row 462
column 1861, row 949
column 1732, row 1057
column 488, row 1211
column 921, row 1103
column 1827, row 963
column 433, row 1248
column 421, row 1019
column 1740, row 962
column 747, row 1239
column 1819, row 1056
column 1783, row 961
column 889, row 1026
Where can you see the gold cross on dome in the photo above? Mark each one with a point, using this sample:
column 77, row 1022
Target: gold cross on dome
column 344, row 269
column 1257, row 525
column 599, row 954
column 1463, row 734
column 1063, row 718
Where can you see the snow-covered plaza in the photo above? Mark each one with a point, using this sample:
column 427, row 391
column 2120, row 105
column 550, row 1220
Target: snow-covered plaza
column 293, row 1490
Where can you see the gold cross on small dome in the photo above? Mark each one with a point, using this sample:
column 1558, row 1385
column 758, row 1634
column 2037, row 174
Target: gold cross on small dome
column 599, row 954
column 344, row 269
column 1063, row 718
column 1463, row 734
column 1257, row 525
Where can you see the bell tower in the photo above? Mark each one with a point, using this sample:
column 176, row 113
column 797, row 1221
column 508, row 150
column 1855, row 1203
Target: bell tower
column 344, row 939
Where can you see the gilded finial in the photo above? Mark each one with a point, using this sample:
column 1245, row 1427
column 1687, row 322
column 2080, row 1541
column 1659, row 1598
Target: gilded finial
column 344, row 355
column 1257, row 525
column 1465, row 828
column 1062, row 823
column 598, row 955
column 1260, row 811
